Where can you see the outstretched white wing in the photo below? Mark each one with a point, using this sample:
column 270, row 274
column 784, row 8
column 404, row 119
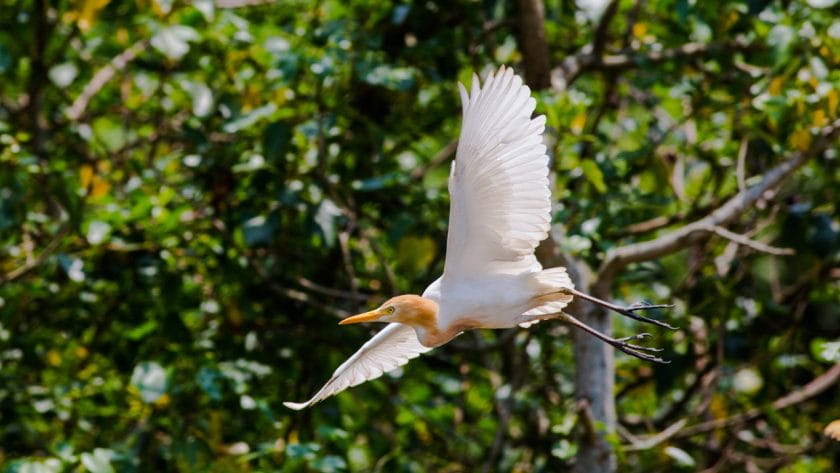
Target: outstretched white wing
column 389, row 349
column 500, row 207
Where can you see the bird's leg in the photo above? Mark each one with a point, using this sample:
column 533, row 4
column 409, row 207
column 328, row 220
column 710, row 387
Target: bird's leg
column 619, row 343
column 625, row 311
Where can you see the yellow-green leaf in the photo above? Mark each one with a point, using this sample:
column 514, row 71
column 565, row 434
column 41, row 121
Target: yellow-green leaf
column 594, row 175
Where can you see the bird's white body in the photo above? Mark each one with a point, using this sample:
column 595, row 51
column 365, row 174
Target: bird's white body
column 498, row 300
column 500, row 209
column 493, row 301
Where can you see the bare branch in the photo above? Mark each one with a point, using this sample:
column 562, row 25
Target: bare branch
column 573, row 66
column 740, row 168
column 344, row 244
column 436, row 161
column 600, row 39
column 647, row 443
column 102, row 77
column 743, row 240
column 328, row 291
column 35, row 262
column 241, row 3
column 299, row 296
column 587, row 420
column 370, row 238
column 618, row 258
column 813, row 388
column 650, row 225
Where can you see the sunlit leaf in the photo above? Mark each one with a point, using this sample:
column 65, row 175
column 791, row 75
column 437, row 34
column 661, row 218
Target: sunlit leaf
column 393, row 78
column 150, row 380
column 174, row 41
column 63, row 74
column 88, row 11
column 97, row 232
column 680, row 456
column 99, row 461
column 250, row 118
column 801, row 139
column 415, row 253
column 327, row 219
column 594, row 175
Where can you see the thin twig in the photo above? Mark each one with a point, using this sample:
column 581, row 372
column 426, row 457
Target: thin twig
column 587, row 420
column 328, row 291
column 231, row 4
column 646, row 443
column 390, row 276
column 740, row 168
column 344, row 243
column 648, row 225
column 571, row 68
column 102, row 77
column 436, row 161
column 35, row 262
column 743, row 240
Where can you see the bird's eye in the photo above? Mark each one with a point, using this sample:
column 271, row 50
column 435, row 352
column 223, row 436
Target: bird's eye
column 390, row 310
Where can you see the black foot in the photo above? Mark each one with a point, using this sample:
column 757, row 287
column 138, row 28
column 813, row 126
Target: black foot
column 637, row 350
column 627, row 311
column 641, row 352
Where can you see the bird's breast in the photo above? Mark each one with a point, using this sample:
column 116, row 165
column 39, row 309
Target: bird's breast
column 489, row 302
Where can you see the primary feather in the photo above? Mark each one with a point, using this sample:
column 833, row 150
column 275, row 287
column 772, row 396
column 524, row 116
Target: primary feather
column 387, row 350
column 500, row 204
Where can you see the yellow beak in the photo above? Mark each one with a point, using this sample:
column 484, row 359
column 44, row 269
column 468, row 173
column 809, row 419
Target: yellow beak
column 371, row 316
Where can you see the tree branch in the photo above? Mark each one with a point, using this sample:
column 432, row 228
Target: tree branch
column 35, row 262
column 573, row 66
column 600, row 39
column 436, row 161
column 102, row 77
column 813, row 388
column 647, row 443
column 618, row 258
column 331, row 292
column 533, row 45
column 743, row 240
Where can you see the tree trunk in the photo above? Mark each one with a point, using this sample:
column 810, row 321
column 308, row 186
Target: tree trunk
column 594, row 386
column 532, row 44
column 594, row 364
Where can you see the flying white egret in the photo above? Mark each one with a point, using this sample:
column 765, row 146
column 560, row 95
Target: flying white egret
column 500, row 209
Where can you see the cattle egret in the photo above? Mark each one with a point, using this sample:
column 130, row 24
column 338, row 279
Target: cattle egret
column 500, row 209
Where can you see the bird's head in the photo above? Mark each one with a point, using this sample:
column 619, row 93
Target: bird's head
column 407, row 309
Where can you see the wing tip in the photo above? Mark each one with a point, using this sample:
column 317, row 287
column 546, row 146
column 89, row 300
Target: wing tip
column 297, row 406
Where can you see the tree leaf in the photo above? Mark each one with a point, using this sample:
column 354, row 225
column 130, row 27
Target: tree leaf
column 99, row 461
column 174, row 41
column 680, row 456
column 150, row 380
column 594, row 175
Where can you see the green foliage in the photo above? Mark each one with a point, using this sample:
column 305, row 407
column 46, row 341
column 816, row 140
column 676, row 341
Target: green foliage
column 169, row 232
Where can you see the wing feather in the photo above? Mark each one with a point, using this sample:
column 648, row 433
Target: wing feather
column 500, row 203
column 389, row 349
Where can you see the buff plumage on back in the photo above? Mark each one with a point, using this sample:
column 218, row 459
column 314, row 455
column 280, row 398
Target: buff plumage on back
column 500, row 207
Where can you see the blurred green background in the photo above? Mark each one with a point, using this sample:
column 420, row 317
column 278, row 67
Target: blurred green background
column 191, row 193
